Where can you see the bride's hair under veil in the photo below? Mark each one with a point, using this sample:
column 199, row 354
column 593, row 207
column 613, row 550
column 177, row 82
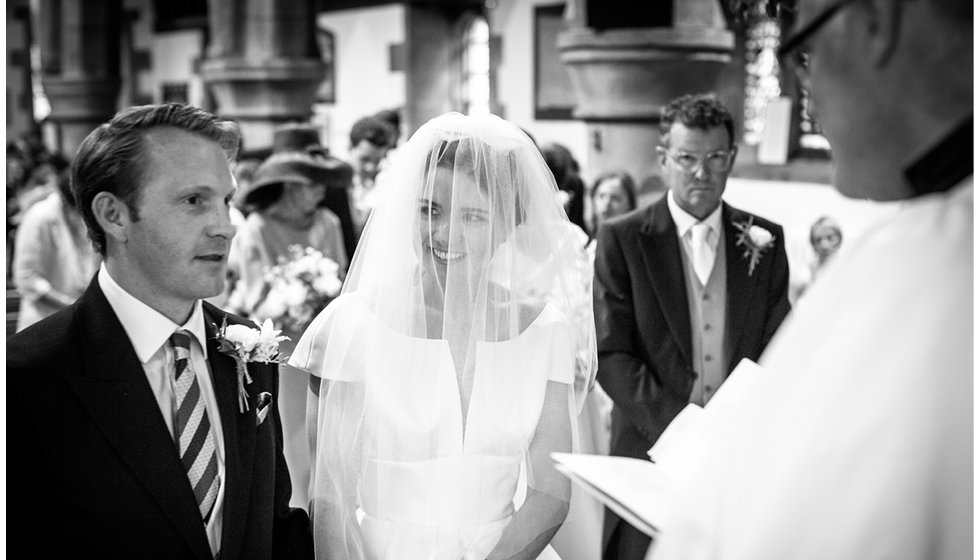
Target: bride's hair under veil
column 458, row 353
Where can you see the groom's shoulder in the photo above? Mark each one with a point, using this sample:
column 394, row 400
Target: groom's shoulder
column 47, row 342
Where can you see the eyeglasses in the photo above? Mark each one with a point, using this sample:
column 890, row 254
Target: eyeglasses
column 795, row 44
column 716, row 162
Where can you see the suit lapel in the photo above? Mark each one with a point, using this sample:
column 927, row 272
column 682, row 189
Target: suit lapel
column 742, row 288
column 661, row 249
column 112, row 387
column 239, row 437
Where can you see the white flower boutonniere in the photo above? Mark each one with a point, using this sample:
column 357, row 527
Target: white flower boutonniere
column 247, row 345
column 755, row 240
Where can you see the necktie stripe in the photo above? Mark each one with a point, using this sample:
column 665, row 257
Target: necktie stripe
column 204, row 485
column 196, row 445
column 187, row 407
column 192, row 428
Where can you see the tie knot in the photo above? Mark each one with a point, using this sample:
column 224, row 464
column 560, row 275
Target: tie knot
column 699, row 233
column 181, row 340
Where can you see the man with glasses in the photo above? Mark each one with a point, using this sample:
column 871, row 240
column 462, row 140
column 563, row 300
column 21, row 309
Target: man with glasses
column 856, row 439
column 684, row 289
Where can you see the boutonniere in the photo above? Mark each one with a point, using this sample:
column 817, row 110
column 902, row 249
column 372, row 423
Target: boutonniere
column 247, row 345
column 755, row 240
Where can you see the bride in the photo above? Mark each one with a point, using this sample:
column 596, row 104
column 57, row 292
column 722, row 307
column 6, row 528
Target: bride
column 449, row 368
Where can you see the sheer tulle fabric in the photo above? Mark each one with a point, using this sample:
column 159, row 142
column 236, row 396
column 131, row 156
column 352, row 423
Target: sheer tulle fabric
column 455, row 359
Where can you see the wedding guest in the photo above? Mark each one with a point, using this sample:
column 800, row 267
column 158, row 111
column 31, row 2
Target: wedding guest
column 244, row 171
column 684, row 289
column 285, row 195
column 53, row 260
column 132, row 437
column 394, row 120
column 613, row 194
column 370, row 140
column 563, row 166
column 580, row 538
column 436, row 379
column 858, row 440
column 825, row 240
column 305, row 138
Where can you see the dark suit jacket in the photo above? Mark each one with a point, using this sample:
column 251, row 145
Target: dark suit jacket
column 93, row 472
column 643, row 326
column 337, row 201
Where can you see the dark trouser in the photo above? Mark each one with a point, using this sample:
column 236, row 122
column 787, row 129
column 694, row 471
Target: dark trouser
column 625, row 542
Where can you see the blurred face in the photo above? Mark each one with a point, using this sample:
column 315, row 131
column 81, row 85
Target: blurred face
column 610, row 199
column 696, row 166
column 454, row 227
column 305, row 196
column 365, row 159
column 826, row 239
column 176, row 253
column 841, row 90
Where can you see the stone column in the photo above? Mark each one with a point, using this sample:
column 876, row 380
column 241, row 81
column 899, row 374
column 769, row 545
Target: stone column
column 623, row 75
column 263, row 66
column 79, row 42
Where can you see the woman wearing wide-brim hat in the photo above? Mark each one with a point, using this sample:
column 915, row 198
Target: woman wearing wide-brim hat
column 284, row 199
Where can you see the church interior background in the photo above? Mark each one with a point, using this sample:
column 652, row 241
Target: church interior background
column 588, row 74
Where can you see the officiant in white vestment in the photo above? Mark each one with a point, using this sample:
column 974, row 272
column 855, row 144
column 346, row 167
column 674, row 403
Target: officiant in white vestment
column 857, row 439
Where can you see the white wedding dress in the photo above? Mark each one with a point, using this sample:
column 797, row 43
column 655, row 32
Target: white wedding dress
column 430, row 487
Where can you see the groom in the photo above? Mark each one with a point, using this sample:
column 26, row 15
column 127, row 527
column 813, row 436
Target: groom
column 125, row 434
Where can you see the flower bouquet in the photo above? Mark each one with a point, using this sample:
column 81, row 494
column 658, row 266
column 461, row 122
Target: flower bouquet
column 299, row 287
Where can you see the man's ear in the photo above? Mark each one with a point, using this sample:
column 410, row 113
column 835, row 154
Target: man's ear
column 112, row 215
column 734, row 156
column 882, row 21
column 662, row 155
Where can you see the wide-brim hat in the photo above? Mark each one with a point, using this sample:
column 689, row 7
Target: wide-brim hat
column 296, row 137
column 299, row 167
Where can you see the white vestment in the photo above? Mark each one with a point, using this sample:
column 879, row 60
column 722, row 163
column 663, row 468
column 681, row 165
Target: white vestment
column 857, row 442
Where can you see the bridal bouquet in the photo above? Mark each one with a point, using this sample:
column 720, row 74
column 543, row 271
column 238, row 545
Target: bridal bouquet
column 300, row 286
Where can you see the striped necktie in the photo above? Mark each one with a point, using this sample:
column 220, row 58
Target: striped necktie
column 192, row 428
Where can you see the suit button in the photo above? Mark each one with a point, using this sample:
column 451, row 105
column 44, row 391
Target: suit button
column 707, row 327
column 706, row 296
column 708, row 388
column 707, row 357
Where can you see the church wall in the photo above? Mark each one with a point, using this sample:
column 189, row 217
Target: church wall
column 513, row 20
column 364, row 80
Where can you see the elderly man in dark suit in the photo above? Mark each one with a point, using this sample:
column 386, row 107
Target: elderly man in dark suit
column 684, row 289
column 135, row 434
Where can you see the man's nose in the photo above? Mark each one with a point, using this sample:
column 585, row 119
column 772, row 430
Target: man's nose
column 701, row 171
column 222, row 226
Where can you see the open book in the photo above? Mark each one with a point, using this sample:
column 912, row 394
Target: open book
column 648, row 494
column 633, row 488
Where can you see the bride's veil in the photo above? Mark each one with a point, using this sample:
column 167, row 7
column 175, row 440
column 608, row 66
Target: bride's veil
column 468, row 245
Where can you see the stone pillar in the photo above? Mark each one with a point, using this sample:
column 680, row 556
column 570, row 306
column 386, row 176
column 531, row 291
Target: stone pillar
column 263, row 65
column 79, row 42
column 622, row 77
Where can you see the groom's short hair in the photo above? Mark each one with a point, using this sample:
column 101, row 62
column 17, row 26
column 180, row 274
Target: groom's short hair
column 112, row 159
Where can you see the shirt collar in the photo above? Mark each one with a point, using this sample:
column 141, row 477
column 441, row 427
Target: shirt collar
column 685, row 221
column 146, row 327
column 946, row 164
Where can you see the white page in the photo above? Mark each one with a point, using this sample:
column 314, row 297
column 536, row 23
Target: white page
column 638, row 491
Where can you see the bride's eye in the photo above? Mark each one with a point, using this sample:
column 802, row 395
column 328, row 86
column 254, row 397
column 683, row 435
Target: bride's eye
column 474, row 217
column 427, row 210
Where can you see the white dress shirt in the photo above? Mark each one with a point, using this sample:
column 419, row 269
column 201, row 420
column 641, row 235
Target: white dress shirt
column 684, row 222
column 149, row 331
